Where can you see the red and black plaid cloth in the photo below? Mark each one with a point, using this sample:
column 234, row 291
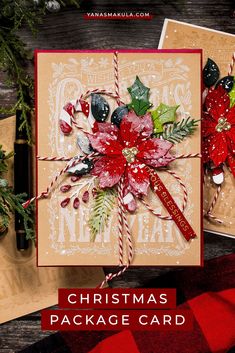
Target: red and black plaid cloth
column 208, row 292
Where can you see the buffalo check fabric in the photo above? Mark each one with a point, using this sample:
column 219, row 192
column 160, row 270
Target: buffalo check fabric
column 208, row 292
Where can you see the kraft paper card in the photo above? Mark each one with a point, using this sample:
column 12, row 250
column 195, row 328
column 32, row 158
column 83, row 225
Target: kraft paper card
column 218, row 46
column 25, row 288
column 79, row 222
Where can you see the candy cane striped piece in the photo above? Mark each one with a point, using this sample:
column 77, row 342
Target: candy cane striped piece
column 209, row 214
column 67, row 115
column 231, row 65
column 214, row 199
column 65, row 118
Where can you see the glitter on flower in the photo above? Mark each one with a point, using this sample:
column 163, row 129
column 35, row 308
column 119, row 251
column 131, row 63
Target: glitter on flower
column 219, row 128
column 126, row 151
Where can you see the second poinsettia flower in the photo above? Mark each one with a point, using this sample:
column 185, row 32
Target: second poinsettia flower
column 219, row 128
column 126, row 152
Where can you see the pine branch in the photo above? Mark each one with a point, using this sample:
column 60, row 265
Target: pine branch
column 11, row 203
column 3, row 157
column 177, row 131
column 14, row 56
column 101, row 210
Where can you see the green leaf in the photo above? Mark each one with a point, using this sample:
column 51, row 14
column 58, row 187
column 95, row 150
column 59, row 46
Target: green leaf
column 139, row 97
column 162, row 115
column 101, row 210
column 232, row 96
column 177, row 131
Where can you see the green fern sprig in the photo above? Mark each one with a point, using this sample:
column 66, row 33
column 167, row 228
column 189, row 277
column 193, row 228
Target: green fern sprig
column 100, row 211
column 177, row 131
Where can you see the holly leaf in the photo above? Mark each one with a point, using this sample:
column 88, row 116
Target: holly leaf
column 162, row 115
column 232, row 96
column 139, row 97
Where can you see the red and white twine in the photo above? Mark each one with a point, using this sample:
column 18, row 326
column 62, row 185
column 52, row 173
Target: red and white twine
column 123, row 226
column 100, row 91
column 116, row 76
column 124, row 222
column 120, row 225
column 54, row 159
column 72, row 162
column 189, row 155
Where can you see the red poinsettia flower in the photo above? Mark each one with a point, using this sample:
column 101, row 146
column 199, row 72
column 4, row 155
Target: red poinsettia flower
column 126, row 151
column 219, row 128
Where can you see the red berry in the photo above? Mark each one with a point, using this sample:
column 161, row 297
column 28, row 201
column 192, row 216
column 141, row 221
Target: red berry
column 85, row 197
column 76, row 203
column 65, row 188
column 65, row 202
column 75, row 178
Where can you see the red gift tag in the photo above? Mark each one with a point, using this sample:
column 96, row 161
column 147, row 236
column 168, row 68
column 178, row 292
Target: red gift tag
column 170, row 205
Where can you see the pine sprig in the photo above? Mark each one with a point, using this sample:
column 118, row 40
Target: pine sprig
column 15, row 58
column 12, row 60
column 3, row 157
column 101, row 210
column 177, row 131
column 11, row 203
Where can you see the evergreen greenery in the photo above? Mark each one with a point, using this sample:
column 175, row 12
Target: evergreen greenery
column 101, row 210
column 9, row 202
column 14, row 57
column 177, row 131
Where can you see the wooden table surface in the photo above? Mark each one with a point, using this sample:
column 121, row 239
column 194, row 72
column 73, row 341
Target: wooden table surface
column 67, row 30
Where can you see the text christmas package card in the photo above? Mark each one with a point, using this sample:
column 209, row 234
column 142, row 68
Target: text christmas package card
column 119, row 157
column 218, row 61
column 24, row 288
